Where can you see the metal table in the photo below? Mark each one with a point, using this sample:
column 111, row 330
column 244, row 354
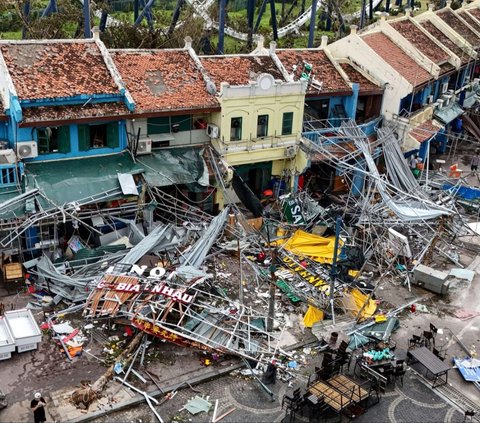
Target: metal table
column 431, row 362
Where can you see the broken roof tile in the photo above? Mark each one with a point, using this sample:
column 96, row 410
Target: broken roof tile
column 424, row 131
column 162, row 80
column 447, row 42
column 472, row 22
column 397, row 58
column 420, row 40
column 323, row 70
column 475, row 12
column 451, row 19
column 355, row 76
column 74, row 112
column 239, row 70
column 54, row 69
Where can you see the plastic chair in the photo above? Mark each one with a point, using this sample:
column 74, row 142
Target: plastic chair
column 399, row 372
column 290, row 401
column 415, row 341
column 429, row 338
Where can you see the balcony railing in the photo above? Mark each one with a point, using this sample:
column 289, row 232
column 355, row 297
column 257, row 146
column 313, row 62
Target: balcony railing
column 255, row 144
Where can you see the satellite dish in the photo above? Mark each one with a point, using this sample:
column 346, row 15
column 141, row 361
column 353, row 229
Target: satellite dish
column 211, row 88
column 265, row 81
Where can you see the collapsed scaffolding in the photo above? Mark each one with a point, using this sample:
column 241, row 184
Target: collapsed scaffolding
column 392, row 199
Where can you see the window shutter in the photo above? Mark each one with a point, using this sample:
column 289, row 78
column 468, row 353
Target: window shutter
column 63, row 135
column 83, row 137
column 113, row 135
column 287, row 124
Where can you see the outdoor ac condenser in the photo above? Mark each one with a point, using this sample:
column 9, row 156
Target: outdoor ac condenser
column 27, row 149
column 431, row 279
column 144, row 146
column 213, row 131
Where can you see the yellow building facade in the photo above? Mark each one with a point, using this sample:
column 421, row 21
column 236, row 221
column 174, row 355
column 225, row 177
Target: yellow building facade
column 258, row 131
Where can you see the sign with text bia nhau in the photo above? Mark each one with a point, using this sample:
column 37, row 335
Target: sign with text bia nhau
column 155, row 274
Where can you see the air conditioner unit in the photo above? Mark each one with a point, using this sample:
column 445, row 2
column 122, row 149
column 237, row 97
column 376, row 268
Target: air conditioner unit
column 213, row 131
column 144, row 146
column 290, row 151
column 446, row 100
column 27, row 149
column 430, row 99
column 8, row 156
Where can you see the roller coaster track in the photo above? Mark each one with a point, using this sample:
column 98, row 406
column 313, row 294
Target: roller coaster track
column 201, row 9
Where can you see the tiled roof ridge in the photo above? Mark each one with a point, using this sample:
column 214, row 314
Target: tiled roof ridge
column 448, row 12
column 364, row 72
column 7, row 86
column 112, row 69
column 394, row 65
column 49, row 41
column 397, row 25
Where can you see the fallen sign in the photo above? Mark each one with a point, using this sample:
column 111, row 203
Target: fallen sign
column 161, row 289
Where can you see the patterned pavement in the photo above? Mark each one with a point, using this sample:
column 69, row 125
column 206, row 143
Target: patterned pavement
column 413, row 402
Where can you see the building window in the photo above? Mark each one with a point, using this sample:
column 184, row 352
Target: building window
column 98, row 136
column 53, row 140
column 287, row 123
column 262, row 126
column 169, row 124
column 236, row 129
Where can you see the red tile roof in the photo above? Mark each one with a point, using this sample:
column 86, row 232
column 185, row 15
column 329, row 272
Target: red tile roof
column 424, row 131
column 397, row 58
column 447, row 42
column 446, row 67
column 355, row 76
column 239, row 70
column 475, row 12
column 57, row 69
column 323, row 69
column 420, row 40
column 76, row 112
column 163, row 80
column 451, row 19
column 472, row 22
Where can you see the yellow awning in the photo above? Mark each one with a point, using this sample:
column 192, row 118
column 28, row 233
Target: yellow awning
column 316, row 247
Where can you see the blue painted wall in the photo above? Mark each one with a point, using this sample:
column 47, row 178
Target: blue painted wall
column 3, row 131
column 29, row 134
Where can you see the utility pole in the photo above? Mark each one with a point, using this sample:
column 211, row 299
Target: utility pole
column 273, row 279
column 333, row 271
column 272, row 290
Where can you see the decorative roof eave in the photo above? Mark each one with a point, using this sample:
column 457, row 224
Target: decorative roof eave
column 61, row 122
column 409, row 49
column 70, row 101
column 338, row 68
column 453, row 59
column 364, row 72
column 209, row 84
column 441, row 25
column 329, row 93
column 124, row 116
column 7, row 88
column 107, row 59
